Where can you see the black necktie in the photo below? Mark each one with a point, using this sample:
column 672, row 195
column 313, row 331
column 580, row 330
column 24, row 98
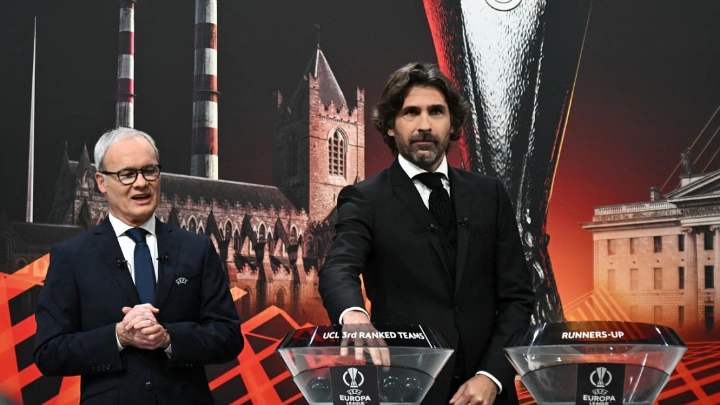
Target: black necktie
column 144, row 270
column 440, row 205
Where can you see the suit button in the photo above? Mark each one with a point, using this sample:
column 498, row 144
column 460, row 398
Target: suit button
column 149, row 386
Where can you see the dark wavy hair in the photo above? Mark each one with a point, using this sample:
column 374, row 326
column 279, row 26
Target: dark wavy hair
column 397, row 88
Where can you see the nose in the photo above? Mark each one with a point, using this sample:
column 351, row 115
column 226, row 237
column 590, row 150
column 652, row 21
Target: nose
column 140, row 182
column 424, row 122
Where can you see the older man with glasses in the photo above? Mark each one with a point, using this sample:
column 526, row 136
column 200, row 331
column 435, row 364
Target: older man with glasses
column 111, row 310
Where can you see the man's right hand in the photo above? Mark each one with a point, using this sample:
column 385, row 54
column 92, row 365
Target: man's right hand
column 139, row 328
column 358, row 321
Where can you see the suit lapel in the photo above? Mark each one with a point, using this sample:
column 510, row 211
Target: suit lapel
column 168, row 250
column 463, row 205
column 404, row 188
column 107, row 245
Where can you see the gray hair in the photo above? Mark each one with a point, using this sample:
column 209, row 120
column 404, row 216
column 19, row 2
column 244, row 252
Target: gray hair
column 112, row 137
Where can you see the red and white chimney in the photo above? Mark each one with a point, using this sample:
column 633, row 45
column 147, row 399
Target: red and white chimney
column 204, row 161
column 124, row 107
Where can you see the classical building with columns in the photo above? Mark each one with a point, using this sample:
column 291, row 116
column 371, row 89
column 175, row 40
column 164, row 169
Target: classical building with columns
column 660, row 259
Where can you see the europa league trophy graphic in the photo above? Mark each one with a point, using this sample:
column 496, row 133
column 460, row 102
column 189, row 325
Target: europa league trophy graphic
column 516, row 62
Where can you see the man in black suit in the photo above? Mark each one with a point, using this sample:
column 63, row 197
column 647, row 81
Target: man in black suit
column 435, row 245
column 135, row 306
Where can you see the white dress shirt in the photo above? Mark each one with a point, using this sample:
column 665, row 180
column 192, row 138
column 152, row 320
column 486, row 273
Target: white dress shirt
column 413, row 170
column 127, row 246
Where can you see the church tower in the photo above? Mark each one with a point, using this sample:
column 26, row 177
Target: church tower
column 319, row 141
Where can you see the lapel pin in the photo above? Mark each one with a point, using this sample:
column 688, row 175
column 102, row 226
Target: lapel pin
column 181, row 280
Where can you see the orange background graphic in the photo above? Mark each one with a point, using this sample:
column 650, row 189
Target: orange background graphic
column 646, row 86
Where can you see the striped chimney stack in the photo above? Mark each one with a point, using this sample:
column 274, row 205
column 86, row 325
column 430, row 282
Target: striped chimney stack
column 124, row 108
column 204, row 161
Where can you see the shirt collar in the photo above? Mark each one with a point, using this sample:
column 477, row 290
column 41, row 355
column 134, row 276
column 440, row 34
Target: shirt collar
column 413, row 170
column 120, row 227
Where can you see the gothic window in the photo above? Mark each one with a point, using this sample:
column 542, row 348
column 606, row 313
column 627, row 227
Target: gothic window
column 261, row 233
column 336, row 152
column 293, row 235
column 201, row 231
column 236, row 240
column 228, row 230
column 193, row 225
column 280, row 299
column 681, row 316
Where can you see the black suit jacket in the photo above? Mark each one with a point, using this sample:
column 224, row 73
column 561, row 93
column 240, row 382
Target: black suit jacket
column 383, row 232
column 81, row 302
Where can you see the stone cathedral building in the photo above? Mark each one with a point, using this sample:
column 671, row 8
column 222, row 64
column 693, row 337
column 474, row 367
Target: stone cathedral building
column 660, row 259
column 271, row 239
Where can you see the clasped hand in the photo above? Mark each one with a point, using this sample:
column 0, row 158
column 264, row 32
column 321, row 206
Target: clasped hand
column 140, row 328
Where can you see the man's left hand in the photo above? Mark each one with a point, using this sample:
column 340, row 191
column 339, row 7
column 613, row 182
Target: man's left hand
column 478, row 390
column 139, row 328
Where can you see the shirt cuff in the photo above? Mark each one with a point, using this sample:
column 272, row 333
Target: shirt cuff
column 117, row 339
column 168, row 351
column 491, row 377
column 353, row 309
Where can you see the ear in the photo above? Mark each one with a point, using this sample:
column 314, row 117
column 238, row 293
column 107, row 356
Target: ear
column 100, row 180
column 391, row 132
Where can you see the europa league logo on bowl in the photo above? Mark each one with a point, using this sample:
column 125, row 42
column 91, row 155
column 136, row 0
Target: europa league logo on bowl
column 353, row 378
column 354, row 385
column 600, row 384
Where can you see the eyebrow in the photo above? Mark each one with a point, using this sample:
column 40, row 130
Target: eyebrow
column 430, row 107
column 142, row 168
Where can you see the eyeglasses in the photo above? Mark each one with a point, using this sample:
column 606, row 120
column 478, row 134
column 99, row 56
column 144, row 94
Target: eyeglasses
column 129, row 176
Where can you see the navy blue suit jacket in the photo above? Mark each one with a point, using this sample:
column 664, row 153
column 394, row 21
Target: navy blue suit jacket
column 81, row 302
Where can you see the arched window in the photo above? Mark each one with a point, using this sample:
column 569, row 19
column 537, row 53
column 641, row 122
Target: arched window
column 280, row 299
column 261, row 233
column 228, row 230
column 336, row 152
column 236, row 240
column 201, row 231
column 245, row 309
column 293, row 235
column 193, row 225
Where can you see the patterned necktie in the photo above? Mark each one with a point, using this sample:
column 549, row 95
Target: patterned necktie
column 440, row 205
column 144, row 270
